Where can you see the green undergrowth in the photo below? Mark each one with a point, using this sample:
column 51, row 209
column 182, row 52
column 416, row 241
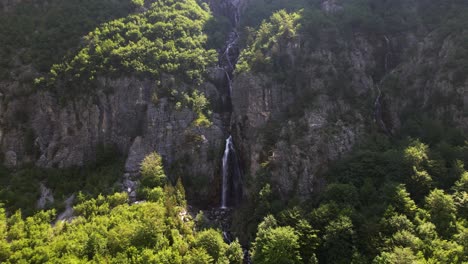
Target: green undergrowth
column 166, row 38
column 107, row 229
column 21, row 188
column 391, row 200
column 41, row 34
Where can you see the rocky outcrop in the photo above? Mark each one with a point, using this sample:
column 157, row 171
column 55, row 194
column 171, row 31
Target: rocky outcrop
column 295, row 151
column 46, row 197
column 442, row 94
column 293, row 129
column 228, row 8
column 7, row 5
column 123, row 113
column 339, row 88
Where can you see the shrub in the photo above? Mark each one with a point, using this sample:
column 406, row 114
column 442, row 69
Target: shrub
column 152, row 171
column 211, row 241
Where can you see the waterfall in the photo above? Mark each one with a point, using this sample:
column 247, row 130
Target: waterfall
column 378, row 113
column 225, row 174
column 232, row 41
column 231, row 190
column 227, row 237
column 378, row 104
column 387, row 53
column 230, row 83
column 231, row 193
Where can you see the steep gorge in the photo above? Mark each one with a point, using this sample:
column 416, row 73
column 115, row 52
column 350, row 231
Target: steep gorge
column 304, row 131
column 332, row 90
column 287, row 125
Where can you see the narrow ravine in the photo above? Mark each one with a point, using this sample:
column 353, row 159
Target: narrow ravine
column 378, row 110
column 231, row 188
column 231, row 172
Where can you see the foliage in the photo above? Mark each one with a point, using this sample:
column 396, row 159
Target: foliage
column 442, row 210
column 152, row 172
column 166, row 38
column 374, row 211
column 200, row 105
column 217, row 30
column 275, row 244
column 41, row 34
column 266, row 52
column 259, row 10
column 21, row 189
column 338, row 240
column 108, row 229
column 212, row 242
column 234, row 253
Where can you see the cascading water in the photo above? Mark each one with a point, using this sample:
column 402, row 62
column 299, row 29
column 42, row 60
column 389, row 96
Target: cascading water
column 231, row 191
column 231, row 182
column 232, row 42
column 378, row 104
column 232, row 178
column 387, row 53
column 378, row 113
column 224, row 191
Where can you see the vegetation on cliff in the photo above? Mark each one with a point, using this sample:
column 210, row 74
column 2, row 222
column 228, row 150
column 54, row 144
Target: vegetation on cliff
column 382, row 203
column 41, row 34
column 166, row 38
column 107, row 229
column 389, row 202
column 399, row 196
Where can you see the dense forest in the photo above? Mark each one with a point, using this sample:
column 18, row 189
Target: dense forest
column 346, row 124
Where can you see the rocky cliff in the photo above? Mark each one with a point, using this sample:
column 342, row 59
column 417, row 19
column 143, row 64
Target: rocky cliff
column 333, row 89
column 7, row 5
column 69, row 134
column 129, row 114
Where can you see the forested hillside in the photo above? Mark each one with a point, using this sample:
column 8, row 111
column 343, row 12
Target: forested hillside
column 234, row 131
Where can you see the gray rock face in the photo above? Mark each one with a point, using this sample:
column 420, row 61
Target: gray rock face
column 441, row 95
column 228, row 8
column 331, row 6
column 295, row 129
column 67, row 215
column 294, row 151
column 121, row 113
column 7, row 5
column 45, row 198
column 11, row 160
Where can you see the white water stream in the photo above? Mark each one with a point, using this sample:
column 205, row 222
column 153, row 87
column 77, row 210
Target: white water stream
column 230, row 166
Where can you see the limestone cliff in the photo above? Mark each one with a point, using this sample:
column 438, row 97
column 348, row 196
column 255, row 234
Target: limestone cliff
column 337, row 87
column 333, row 89
column 121, row 114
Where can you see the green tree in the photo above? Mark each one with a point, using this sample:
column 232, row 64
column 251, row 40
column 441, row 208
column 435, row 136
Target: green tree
column 212, row 242
column 461, row 195
column 234, row 253
column 152, row 171
column 342, row 194
column 339, row 240
column 416, row 156
column 275, row 244
column 197, row 256
column 403, row 202
column 308, row 240
column 398, row 255
column 4, row 245
column 442, row 210
column 444, row 251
